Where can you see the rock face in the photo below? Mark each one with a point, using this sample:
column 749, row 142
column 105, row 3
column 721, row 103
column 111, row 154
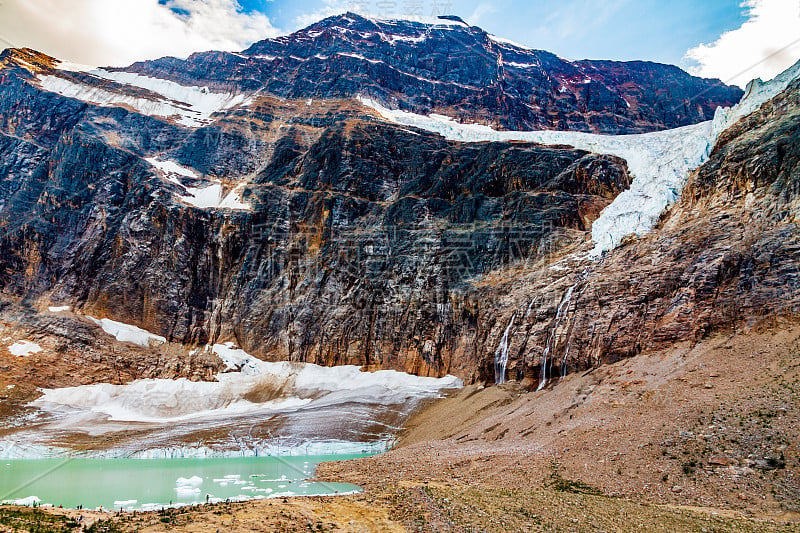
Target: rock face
column 726, row 256
column 352, row 241
column 360, row 247
column 460, row 71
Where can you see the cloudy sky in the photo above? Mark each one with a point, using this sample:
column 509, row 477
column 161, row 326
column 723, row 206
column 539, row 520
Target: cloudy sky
column 732, row 40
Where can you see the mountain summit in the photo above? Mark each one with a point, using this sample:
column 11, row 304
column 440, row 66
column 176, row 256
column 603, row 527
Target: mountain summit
column 459, row 71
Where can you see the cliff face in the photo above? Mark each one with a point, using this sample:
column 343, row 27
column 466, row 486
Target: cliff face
column 359, row 245
column 312, row 230
column 726, row 256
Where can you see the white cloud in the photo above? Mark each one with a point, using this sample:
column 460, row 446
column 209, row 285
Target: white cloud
column 421, row 10
column 481, row 11
column 764, row 46
column 119, row 32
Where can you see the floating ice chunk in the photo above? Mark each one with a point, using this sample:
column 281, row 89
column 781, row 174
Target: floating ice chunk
column 24, row 348
column 185, row 491
column 30, row 500
column 192, row 481
column 59, row 309
column 127, row 333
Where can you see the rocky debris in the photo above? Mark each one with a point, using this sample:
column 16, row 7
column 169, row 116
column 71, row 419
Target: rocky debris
column 722, row 460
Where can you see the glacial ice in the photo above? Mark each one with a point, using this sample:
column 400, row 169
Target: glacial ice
column 127, row 333
column 660, row 161
column 24, row 348
column 173, row 404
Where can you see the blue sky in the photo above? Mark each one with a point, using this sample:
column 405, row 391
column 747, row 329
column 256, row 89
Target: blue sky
column 734, row 40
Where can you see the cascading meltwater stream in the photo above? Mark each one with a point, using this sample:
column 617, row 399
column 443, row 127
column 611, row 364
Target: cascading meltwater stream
column 501, row 355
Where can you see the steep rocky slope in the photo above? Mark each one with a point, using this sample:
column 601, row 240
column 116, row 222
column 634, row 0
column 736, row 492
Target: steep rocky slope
column 312, row 230
column 726, row 256
column 458, row 70
column 350, row 244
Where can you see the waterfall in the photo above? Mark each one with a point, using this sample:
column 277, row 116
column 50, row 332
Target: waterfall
column 501, row 355
column 561, row 313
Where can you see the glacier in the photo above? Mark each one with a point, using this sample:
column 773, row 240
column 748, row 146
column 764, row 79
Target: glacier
column 660, row 162
column 317, row 409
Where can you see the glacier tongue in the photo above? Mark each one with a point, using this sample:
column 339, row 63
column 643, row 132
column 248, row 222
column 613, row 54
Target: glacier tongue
column 660, row 162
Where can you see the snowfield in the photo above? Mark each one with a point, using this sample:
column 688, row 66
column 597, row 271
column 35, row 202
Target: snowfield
column 24, row 348
column 127, row 333
column 208, row 197
column 189, row 106
column 660, row 162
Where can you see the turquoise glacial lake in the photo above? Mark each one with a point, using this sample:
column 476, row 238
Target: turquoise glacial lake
column 147, row 484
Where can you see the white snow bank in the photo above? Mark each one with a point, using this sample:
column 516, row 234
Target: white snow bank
column 189, row 106
column 170, row 168
column 660, row 162
column 24, row 348
column 127, row 333
column 30, row 500
column 211, row 197
column 59, row 309
column 294, row 385
column 208, row 197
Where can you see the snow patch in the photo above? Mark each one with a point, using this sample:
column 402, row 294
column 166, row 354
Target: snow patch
column 208, row 197
column 507, row 42
column 127, row 333
column 189, row 106
column 211, row 197
column 24, row 348
column 59, row 309
column 171, row 167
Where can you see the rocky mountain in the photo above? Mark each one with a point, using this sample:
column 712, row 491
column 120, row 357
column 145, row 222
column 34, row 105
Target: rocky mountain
column 253, row 198
column 457, row 70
